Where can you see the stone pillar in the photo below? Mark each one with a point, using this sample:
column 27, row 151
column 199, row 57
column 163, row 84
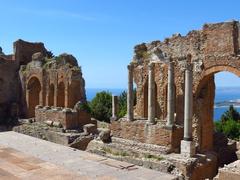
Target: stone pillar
column 170, row 95
column 130, row 94
column 114, row 107
column 187, row 145
column 188, row 105
column 151, row 94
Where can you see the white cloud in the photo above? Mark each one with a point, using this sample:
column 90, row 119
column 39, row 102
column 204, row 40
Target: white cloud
column 56, row 14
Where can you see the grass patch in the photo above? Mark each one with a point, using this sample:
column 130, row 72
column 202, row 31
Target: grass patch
column 150, row 156
column 115, row 153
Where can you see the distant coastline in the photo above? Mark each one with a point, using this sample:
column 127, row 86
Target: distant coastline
column 223, row 104
column 224, row 97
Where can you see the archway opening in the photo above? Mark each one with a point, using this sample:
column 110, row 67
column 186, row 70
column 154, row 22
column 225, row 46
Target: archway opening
column 212, row 97
column 61, row 95
column 33, row 94
column 51, row 95
column 227, row 93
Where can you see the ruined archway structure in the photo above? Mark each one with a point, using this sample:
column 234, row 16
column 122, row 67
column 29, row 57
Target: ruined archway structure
column 56, row 78
column 36, row 84
column 213, row 49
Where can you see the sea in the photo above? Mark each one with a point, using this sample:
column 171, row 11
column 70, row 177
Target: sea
column 221, row 94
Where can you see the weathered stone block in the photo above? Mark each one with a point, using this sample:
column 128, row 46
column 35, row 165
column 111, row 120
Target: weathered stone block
column 90, row 128
column 188, row 148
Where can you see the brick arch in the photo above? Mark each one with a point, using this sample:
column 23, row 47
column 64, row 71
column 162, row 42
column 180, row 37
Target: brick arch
column 204, row 104
column 33, row 95
column 216, row 69
column 213, row 70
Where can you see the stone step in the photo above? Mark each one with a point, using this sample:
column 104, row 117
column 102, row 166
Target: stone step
column 142, row 147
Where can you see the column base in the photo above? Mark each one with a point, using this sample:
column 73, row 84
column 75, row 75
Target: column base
column 114, row 118
column 188, row 148
column 169, row 127
column 150, row 123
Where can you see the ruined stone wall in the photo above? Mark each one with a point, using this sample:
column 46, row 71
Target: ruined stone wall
column 140, row 131
column 67, row 117
column 24, row 50
column 59, row 79
column 9, row 90
column 30, row 75
column 230, row 171
column 213, row 49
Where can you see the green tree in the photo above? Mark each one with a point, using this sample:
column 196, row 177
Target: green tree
column 123, row 103
column 231, row 113
column 231, row 129
column 101, row 106
column 229, row 124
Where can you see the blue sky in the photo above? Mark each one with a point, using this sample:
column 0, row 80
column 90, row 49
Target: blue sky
column 101, row 34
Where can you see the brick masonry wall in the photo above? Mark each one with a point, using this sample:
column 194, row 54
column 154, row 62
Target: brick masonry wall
column 69, row 118
column 142, row 132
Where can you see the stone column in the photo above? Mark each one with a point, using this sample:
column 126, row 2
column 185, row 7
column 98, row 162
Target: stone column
column 114, row 107
column 188, row 104
column 187, row 145
column 130, row 94
column 170, row 95
column 151, row 94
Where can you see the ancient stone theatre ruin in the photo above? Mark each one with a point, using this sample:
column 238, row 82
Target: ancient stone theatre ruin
column 175, row 91
column 169, row 123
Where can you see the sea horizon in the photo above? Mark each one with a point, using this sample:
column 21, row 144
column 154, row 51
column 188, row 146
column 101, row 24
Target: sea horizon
column 221, row 94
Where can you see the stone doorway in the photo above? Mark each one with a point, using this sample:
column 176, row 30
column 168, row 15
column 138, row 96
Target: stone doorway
column 33, row 95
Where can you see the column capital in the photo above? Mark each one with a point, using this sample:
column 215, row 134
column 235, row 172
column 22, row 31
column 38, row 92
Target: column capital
column 150, row 66
column 185, row 62
column 186, row 66
column 170, row 65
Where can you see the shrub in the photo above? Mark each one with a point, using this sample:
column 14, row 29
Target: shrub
column 229, row 124
column 231, row 129
column 101, row 106
column 231, row 113
column 123, row 103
